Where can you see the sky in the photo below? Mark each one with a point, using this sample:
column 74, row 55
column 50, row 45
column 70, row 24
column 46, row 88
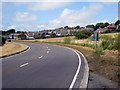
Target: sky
column 36, row 16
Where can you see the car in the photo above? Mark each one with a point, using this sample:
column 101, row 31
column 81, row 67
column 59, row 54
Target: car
column 9, row 40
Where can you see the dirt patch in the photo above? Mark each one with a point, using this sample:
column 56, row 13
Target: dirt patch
column 11, row 48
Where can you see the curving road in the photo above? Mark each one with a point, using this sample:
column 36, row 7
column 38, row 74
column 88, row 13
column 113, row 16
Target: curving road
column 42, row 66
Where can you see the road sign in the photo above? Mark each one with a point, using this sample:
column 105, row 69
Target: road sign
column 95, row 36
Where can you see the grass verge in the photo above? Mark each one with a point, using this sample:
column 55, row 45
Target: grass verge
column 11, row 48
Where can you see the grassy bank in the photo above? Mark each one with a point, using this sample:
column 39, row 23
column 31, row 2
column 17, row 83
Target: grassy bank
column 11, row 48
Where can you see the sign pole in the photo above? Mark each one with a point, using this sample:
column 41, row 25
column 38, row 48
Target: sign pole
column 95, row 42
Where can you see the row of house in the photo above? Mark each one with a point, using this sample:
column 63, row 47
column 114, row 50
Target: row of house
column 58, row 32
column 110, row 27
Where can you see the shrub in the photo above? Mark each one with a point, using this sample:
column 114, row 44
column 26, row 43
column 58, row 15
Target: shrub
column 67, row 40
column 83, row 34
column 111, row 44
column 98, row 52
column 2, row 40
column 52, row 35
column 105, row 37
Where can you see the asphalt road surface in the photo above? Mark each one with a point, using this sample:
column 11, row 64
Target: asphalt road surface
column 42, row 66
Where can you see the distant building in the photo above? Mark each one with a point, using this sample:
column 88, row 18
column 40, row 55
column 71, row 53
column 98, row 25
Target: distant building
column 100, row 30
column 20, row 36
column 90, row 29
column 111, row 26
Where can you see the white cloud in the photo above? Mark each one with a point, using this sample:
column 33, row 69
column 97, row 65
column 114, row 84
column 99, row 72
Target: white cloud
column 41, row 26
column 12, row 27
column 46, row 5
column 24, row 17
column 81, row 17
column 60, row 0
column 22, row 27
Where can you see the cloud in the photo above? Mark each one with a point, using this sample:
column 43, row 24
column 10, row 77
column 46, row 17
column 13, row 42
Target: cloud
column 60, row 0
column 81, row 17
column 24, row 17
column 46, row 5
column 22, row 27
column 41, row 26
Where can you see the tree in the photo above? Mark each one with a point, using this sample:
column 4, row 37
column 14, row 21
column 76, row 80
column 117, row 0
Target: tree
column 10, row 31
column 77, row 27
column 90, row 26
column 117, row 22
column 42, row 36
column 66, row 27
column 52, row 35
column 2, row 40
column 83, row 34
column 102, row 25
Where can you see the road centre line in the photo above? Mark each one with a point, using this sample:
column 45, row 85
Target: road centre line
column 24, row 64
column 47, row 51
column 40, row 57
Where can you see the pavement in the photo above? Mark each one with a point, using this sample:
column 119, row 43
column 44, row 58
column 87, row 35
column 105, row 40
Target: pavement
column 42, row 66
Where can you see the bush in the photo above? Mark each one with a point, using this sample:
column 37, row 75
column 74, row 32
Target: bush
column 88, row 45
column 83, row 34
column 111, row 44
column 67, row 40
column 41, row 37
column 52, row 35
column 105, row 37
column 98, row 52
column 2, row 40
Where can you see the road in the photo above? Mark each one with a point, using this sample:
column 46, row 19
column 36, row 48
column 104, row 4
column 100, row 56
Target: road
column 42, row 66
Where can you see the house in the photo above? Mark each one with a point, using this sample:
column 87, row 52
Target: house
column 20, row 36
column 100, row 30
column 111, row 26
column 70, row 32
column 60, row 32
column 90, row 29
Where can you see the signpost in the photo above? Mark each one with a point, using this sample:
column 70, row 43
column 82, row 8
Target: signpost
column 95, row 38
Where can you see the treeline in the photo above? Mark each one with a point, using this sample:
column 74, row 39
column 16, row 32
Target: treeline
column 10, row 31
column 95, row 27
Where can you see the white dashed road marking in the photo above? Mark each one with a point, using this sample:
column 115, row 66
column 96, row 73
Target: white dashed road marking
column 24, row 64
column 40, row 56
column 47, row 51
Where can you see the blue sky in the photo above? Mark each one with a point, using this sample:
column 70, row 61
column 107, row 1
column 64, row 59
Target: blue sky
column 32, row 16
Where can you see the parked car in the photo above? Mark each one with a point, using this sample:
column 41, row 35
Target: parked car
column 9, row 40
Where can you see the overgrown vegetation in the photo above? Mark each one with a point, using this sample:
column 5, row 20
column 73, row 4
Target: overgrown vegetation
column 99, row 51
column 82, row 34
column 67, row 40
column 2, row 40
column 110, row 43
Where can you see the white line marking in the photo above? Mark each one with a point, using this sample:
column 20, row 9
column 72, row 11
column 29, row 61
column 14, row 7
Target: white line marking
column 77, row 72
column 78, row 69
column 40, row 56
column 46, row 47
column 47, row 51
column 24, row 64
